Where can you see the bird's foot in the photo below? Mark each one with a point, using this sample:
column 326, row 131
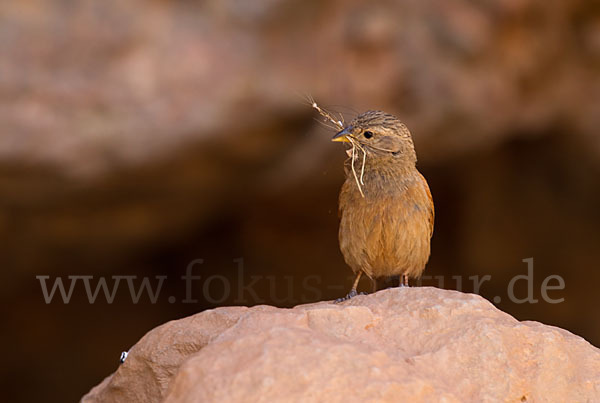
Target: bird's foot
column 351, row 294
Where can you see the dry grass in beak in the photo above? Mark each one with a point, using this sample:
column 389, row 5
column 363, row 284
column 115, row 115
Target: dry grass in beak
column 339, row 125
column 355, row 146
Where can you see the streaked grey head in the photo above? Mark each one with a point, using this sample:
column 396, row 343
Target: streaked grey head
column 383, row 136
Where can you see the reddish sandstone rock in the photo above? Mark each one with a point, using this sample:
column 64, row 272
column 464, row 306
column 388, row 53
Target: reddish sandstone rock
column 416, row 344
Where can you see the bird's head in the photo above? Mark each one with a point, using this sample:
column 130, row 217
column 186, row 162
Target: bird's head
column 381, row 135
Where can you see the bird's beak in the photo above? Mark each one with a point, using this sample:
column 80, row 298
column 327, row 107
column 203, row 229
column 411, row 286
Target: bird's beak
column 343, row 135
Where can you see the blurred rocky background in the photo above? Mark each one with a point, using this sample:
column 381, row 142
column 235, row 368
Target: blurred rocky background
column 139, row 136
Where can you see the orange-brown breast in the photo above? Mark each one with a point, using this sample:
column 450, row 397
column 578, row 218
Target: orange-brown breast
column 387, row 232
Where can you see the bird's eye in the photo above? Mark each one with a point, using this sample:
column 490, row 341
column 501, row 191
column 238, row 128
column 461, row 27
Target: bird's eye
column 368, row 134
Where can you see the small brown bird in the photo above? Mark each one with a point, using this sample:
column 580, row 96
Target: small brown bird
column 385, row 205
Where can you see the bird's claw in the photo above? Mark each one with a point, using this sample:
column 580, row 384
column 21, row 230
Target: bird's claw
column 351, row 294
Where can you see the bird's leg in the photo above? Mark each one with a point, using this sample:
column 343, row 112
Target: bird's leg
column 352, row 292
column 404, row 281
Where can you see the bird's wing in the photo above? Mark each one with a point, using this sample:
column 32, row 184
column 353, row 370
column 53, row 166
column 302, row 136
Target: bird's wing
column 431, row 216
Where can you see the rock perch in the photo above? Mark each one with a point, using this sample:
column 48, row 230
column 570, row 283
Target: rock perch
column 411, row 344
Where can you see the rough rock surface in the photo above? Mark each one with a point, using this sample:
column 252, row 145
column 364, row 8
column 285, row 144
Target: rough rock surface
column 417, row 344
